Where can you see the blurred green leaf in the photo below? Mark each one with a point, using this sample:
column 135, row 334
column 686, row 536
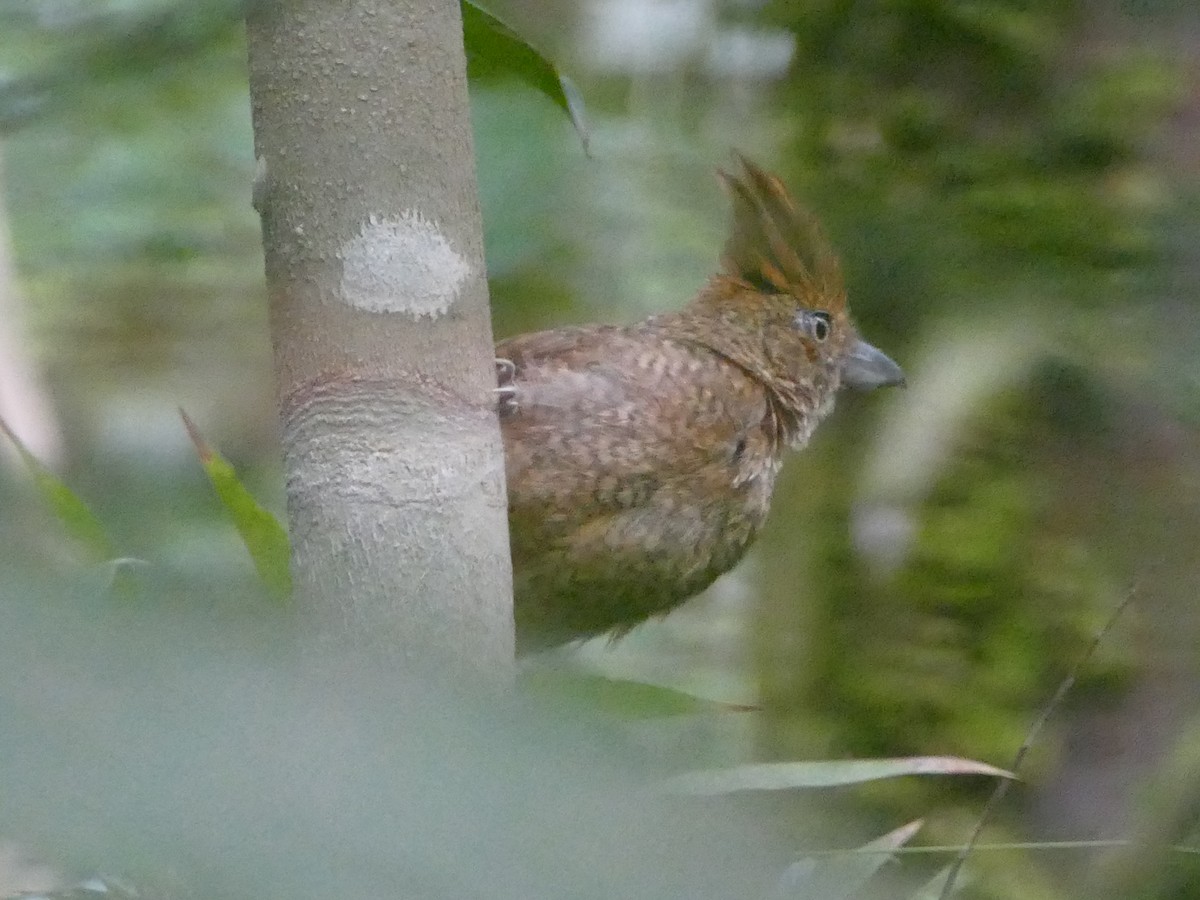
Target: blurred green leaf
column 1023, row 34
column 932, row 889
column 74, row 514
column 263, row 535
column 822, row 773
column 843, row 876
column 624, row 699
column 495, row 51
column 1117, row 106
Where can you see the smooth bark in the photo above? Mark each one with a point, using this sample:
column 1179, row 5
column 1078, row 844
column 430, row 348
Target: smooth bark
column 379, row 316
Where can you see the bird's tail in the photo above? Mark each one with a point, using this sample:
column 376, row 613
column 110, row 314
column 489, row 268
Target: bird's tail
column 776, row 245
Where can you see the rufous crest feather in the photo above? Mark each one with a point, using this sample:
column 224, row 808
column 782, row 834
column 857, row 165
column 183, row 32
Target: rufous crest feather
column 776, row 245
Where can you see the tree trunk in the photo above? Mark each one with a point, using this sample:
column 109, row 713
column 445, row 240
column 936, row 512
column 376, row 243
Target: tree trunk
column 25, row 402
column 379, row 317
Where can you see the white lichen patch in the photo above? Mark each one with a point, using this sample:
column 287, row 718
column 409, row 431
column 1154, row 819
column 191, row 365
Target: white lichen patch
column 403, row 265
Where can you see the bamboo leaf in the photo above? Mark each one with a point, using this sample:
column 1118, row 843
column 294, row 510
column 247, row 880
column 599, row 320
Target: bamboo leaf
column 822, row 773
column 261, row 532
column 71, row 511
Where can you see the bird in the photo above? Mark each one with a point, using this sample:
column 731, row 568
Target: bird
column 641, row 459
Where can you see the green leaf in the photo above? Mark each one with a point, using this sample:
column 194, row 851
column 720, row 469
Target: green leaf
column 74, row 514
column 821, row 774
column 624, row 699
column 844, row 875
column 932, row 889
column 495, row 51
column 261, row 532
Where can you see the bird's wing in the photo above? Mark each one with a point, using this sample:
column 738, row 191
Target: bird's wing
column 627, row 455
column 605, row 416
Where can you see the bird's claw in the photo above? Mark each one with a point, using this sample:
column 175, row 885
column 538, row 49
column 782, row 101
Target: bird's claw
column 506, row 393
column 506, row 400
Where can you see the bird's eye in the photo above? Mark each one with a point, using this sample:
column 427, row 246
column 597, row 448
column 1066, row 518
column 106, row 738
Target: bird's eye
column 816, row 324
column 821, row 325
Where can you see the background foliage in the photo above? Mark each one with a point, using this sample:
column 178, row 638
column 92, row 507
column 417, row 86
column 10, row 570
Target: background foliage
column 1012, row 186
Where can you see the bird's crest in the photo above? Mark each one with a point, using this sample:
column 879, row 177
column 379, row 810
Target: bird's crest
column 776, row 245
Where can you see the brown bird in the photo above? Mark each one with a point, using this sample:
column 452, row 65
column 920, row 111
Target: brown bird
column 641, row 458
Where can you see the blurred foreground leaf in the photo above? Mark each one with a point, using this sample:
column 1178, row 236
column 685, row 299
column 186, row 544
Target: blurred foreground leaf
column 934, row 887
column 618, row 697
column 822, row 773
column 263, row 535
column 843, row 876
column 92, row 889
column 74, row 514
column 166, row 744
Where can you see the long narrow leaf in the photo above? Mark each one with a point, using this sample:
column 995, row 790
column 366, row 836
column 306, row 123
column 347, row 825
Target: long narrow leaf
column 72, row 512
column 821, row 774
column 261, row 532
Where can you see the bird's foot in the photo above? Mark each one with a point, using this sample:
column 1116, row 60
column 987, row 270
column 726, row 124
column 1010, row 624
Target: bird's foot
column 506, row 393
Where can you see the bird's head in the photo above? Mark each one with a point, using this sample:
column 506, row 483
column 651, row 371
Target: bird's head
column 779, row 303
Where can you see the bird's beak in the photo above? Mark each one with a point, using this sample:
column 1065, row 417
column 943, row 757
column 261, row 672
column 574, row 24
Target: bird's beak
column 867, row 368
